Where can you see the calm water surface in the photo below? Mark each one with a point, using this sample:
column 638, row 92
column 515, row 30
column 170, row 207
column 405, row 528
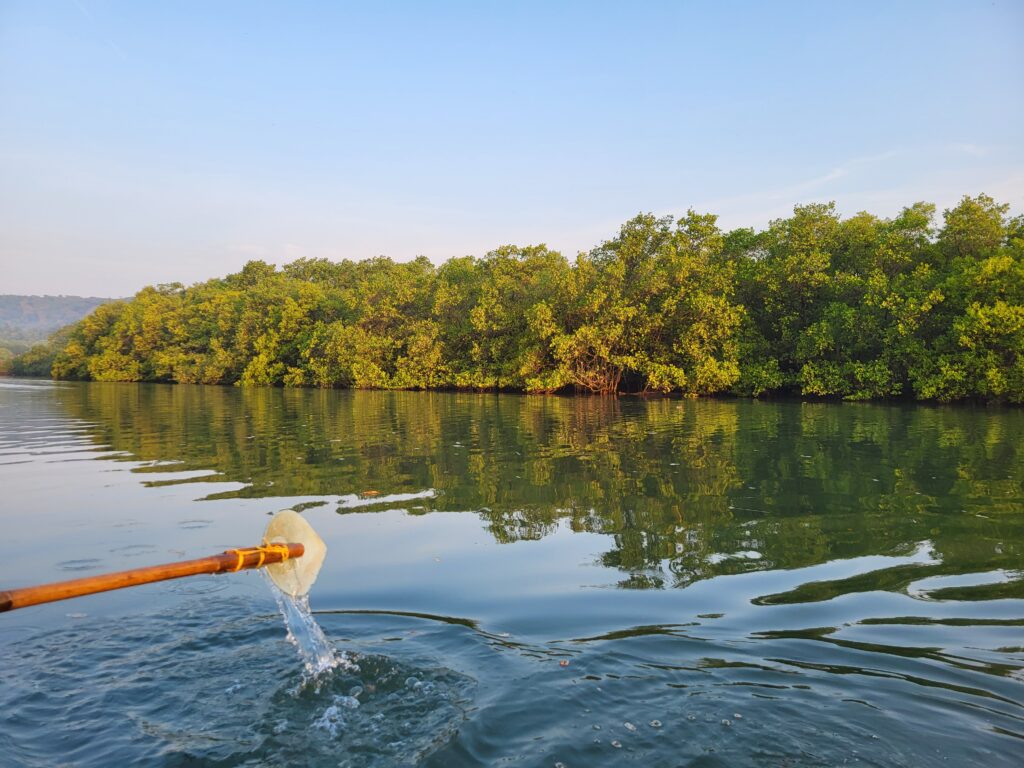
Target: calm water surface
column 519, row 581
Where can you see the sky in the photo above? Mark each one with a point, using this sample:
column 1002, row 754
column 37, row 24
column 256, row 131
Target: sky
column 145, row 143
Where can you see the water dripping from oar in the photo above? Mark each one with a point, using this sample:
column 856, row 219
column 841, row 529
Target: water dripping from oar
column 290, row 582
column 317, row 653
column 291, row 555
column 293, row 566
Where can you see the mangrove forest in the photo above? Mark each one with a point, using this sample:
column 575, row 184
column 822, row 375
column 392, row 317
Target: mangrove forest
column 814, row 305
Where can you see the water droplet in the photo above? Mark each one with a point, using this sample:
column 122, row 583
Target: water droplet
column 597, row 727
column 738, row 716
column 655, row 723
column 727, row 722
column 691, row 717
column 559, row 765
column 616, row 743
column 348, row 702
column 629, row 726
column 330, row 720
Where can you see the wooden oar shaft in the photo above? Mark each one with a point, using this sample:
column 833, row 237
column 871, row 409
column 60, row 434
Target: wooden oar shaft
column 226, row 562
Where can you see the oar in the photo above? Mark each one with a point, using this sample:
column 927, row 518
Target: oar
column 291, row 551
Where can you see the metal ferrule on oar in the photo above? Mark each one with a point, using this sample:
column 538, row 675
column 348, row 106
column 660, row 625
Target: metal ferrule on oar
column 291, row 551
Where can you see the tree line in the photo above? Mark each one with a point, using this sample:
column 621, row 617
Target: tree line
column 817, row 305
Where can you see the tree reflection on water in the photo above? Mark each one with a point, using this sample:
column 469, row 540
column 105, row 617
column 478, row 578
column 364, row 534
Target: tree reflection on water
column 684, row 490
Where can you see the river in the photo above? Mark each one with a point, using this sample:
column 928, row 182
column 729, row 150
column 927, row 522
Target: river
column 517, row 580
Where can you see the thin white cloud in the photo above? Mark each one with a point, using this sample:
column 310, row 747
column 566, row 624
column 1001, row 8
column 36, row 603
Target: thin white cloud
column 974, row 150
column 879, row 183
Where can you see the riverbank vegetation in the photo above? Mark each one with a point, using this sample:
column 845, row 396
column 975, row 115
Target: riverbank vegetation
column 817, row 305
column 30, row 328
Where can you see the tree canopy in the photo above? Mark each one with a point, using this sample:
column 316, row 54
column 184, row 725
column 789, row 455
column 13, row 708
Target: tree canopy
column 816, row 305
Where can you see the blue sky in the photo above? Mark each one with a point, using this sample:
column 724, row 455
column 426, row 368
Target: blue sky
column 153, row 142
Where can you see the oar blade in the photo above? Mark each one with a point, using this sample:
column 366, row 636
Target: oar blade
column 295, row 576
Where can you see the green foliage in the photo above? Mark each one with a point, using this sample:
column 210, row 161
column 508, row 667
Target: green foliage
column 37, row 361
column 28, row 321
column 815, row 305
column 34, row 362
column 652, row 308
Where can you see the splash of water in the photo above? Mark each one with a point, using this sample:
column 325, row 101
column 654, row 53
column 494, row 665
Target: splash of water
column 317, row 654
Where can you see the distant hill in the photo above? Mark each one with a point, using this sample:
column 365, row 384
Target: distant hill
column 25, row 320
column 45, row 314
